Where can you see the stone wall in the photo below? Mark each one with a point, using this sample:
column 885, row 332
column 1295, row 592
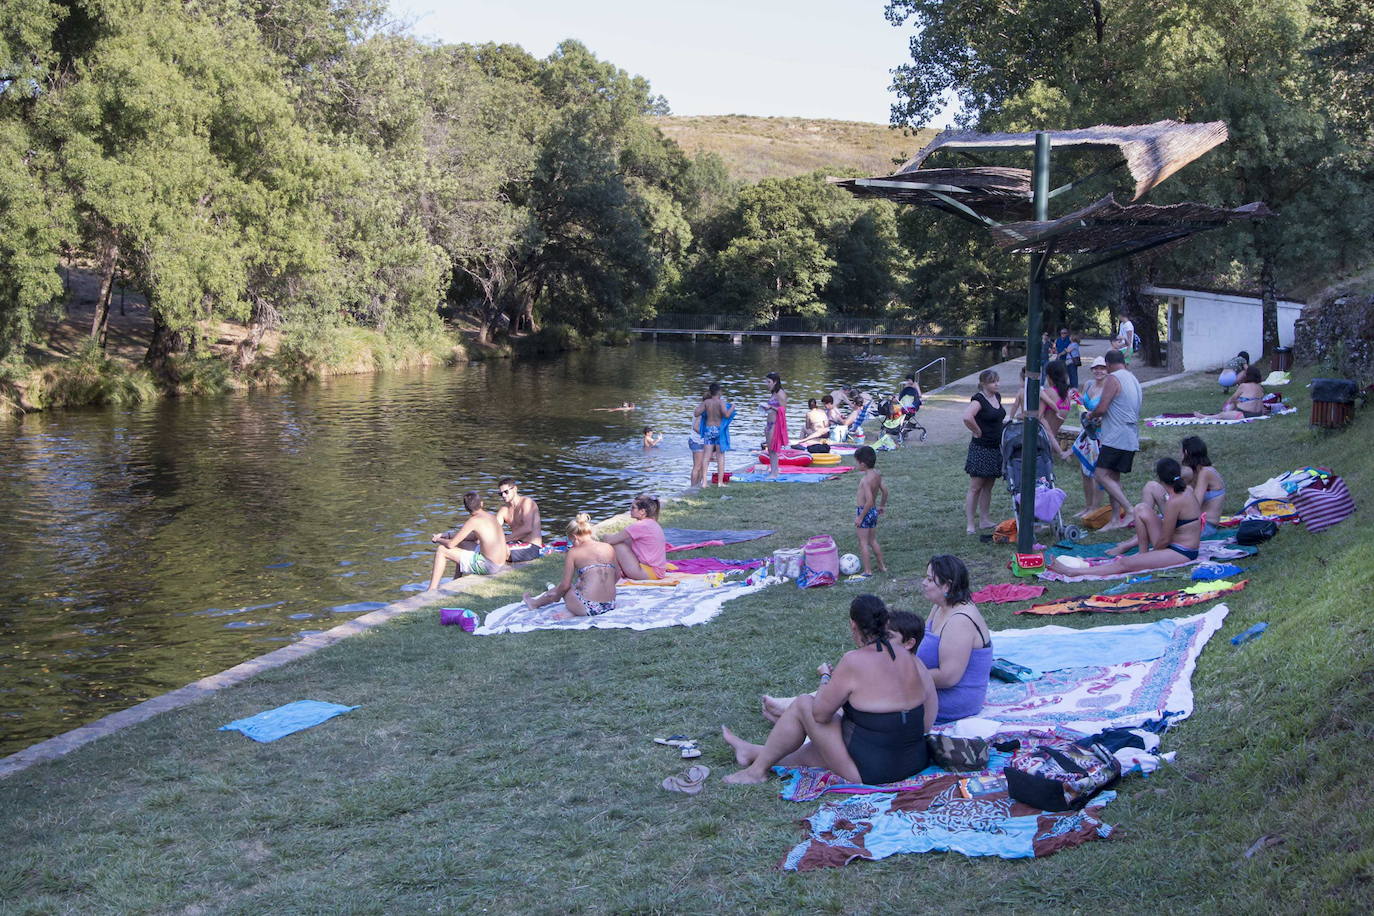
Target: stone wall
column 1337, row 331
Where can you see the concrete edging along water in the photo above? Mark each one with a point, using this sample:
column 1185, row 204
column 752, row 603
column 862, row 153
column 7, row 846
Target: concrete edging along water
column 68, row 741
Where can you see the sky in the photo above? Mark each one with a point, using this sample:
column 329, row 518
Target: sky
column 800, row 58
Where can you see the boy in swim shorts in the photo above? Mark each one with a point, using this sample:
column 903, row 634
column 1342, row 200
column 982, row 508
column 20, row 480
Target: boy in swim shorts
column 871, row 490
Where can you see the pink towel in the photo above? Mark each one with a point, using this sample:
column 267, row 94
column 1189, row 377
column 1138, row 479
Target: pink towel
column 1001, row 594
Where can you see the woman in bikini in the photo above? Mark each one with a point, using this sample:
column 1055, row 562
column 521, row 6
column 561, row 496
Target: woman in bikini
column 1206, row 482
column 1174, row 538
column 1246, row 404
column 889, row 703
column 589, row 575
column 1055, row 402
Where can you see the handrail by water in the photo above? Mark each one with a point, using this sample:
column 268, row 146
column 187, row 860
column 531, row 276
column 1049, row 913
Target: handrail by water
column 944, row 370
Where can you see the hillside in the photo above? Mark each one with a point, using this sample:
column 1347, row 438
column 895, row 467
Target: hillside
column 755, row 148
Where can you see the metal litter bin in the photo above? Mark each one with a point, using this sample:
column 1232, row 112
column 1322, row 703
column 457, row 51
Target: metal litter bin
column 1283, row 358
column 1333, row 402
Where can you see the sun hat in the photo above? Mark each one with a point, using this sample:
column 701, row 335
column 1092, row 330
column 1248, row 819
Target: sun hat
column 1100, row 361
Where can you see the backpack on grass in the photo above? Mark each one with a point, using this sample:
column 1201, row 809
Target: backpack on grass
column 1062, row 776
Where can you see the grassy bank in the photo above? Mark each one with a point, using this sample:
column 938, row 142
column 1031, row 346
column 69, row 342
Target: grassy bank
column 516, row 773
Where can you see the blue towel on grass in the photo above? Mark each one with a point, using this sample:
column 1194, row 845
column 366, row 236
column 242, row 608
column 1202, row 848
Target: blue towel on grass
column 282, row 721
column 726, row 536
column 1054, row 648
column 762, row 477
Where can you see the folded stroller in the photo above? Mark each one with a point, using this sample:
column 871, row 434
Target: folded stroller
column 1049, row 499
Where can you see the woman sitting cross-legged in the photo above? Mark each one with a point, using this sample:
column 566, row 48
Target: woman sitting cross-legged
column 1169, row 540
column 589, row 575
column 889, row 704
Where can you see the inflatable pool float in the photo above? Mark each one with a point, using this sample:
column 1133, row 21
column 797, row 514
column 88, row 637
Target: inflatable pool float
column 824, row 459
column 788, row 456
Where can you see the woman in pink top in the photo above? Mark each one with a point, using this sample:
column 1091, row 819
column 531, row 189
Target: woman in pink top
column 640, row 547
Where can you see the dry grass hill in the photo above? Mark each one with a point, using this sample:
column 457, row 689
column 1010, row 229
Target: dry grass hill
column 755, row 148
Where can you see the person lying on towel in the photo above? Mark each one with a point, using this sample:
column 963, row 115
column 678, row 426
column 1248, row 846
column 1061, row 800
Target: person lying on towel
column 1177, row 541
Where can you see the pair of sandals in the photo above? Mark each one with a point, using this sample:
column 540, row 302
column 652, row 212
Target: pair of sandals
column 687, row 746
column 688, row 782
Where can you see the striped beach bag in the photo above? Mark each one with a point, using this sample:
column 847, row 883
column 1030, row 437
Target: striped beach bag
column 1323, row 503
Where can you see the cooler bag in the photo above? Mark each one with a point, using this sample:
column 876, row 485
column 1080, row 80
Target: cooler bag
column 820, row 562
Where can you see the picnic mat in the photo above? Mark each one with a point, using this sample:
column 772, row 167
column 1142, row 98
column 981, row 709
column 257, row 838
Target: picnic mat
column 706, row 565
column 1166, row 420
column 285, row 720
column 949, row 814
column 635, row 609
column 689, row 536
column 1135, row 602
column 1090, row 680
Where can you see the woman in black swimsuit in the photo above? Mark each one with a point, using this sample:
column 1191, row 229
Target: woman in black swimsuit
column 889, row 704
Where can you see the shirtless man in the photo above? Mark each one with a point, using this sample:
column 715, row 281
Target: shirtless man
column 714, row 408
column 485, row 530
column 521, row 515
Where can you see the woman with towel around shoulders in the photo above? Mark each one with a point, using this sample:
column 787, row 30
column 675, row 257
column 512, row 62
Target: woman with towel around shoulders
column 957, row 646
column 888, row 701
column 775, row 418
column 590, row 572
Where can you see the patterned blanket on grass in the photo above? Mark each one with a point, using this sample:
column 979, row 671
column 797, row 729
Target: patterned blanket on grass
column 1166, row 420
column 948, row 814
column 636, row 608
column 972, row 813
column 1135, row 602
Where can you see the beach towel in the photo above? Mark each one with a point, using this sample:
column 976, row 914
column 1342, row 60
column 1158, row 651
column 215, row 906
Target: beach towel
column 809, row 469
column 1102, row 693
column 951, row 814
column 284, row 720
column 1167, row 420
column 705, row 565
column 1005, row 592
column 687, row 537
column 1210, row 549
column 761, row 477
column 635, row 608
column 1135, row 602
column 1218, row 546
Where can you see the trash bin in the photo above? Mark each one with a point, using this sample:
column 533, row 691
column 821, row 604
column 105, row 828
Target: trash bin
column 1333, row 402
column 1283, row 358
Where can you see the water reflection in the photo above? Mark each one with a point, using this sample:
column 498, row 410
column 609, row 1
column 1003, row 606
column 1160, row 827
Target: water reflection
column 143, row 548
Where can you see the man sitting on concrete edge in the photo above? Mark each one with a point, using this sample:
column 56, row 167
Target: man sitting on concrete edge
column 484, row 529
column 521, row 515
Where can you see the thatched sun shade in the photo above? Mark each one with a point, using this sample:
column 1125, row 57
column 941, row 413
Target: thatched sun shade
column 996, row 192
column 1106, row 226
column 1153, row 152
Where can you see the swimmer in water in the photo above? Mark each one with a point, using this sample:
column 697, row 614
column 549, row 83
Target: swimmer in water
column 651, row 438
column 624, row 406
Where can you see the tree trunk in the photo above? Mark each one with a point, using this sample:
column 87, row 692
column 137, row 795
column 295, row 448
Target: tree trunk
column 1145, row 316
column 264, row 317
column 164, row 344
column 108, row 262
column 1270, row 305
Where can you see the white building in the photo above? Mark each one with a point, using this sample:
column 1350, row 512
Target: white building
column 1208, row 327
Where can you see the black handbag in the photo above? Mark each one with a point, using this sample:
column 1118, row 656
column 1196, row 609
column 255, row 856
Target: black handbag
column 1254, row 531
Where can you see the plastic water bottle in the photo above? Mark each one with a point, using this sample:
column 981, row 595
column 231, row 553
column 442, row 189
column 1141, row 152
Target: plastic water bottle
column 1253, row 633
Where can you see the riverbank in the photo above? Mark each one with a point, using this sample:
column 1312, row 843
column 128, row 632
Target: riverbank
column 470, row 753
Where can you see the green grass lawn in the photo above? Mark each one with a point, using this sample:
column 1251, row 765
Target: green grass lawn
column 516, row 773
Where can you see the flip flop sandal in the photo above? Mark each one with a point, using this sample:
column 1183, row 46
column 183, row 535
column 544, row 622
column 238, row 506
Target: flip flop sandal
column 690, row 751
column 689, row 782
column 676, row 741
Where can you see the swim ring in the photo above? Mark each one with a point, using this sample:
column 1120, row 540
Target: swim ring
column 790, row 456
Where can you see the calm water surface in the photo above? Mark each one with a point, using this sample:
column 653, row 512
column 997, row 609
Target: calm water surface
column 143, row 548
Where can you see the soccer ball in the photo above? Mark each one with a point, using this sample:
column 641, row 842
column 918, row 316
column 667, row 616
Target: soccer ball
column 849, row 564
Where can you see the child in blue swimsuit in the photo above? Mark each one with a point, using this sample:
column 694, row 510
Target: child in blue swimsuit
column 871, row 489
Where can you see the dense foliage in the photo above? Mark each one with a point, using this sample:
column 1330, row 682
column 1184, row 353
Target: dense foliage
column 1290, row 77
column 303, row 165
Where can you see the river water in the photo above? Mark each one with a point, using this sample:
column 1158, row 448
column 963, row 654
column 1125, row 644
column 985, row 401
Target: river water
column 143, row 548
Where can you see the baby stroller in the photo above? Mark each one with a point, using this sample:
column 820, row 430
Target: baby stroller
column 1047, row 504
column 910, row 405
column 899, row 421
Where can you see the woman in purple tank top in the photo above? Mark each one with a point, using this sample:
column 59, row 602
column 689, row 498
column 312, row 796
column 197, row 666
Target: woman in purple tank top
column 957, row 647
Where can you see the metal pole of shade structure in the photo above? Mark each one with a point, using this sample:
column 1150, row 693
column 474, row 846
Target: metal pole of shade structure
column 1030, row 433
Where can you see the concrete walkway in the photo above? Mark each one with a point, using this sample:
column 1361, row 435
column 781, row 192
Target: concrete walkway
column 942, row 410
